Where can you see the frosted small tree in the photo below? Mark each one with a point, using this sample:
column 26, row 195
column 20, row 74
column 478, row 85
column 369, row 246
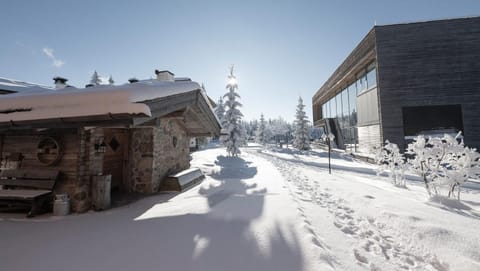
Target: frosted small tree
column 390, row 160
column 443, row 162
column 301, row 139
column 95, row 79
column 220, row 110
column 260, row 134
column 233, row 116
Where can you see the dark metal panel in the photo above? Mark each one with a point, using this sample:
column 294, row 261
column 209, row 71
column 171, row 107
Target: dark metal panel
column 429, row 63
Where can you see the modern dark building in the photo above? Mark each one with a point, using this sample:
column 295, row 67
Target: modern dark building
column 403, row 80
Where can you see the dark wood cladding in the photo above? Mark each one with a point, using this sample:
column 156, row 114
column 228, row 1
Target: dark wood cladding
column 429, row 63
column 345, row 74
column 27, row 146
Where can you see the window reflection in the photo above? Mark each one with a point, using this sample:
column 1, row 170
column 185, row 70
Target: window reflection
column 372, row 78
column 343, row 106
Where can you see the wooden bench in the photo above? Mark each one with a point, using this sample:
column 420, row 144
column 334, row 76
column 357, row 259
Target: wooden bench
column 182, row 180
column 26, row 188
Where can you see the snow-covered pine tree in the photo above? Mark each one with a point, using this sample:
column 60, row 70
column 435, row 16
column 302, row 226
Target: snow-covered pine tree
column 110, row 80
column 232, row 116
column 95, row 79
column 243, row 133
column 301, row 139
column 260, row 135
column 220, row 110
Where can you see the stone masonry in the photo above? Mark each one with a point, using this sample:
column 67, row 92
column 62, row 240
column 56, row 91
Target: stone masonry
column 156, row 152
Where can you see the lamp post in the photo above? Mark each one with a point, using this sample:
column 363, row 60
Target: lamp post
column 329, row 138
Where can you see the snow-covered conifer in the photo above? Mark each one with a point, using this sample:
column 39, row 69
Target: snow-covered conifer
column 232, row 117
column 110, row 80
column 301, row 139
column 220, row 110
column 95, row 79
column 260, row 134
column 390, row 160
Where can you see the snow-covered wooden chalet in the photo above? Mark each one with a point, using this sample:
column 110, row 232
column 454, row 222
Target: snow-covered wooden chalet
column 137, row 132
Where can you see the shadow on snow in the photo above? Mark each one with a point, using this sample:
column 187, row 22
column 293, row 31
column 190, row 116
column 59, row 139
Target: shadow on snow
column 221, row 239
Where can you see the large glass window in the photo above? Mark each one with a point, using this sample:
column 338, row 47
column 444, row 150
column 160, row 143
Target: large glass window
column 345, row 107
column 327, row 106
column 324, row 110
column 352, row 101
column 372, row 78
column 333, row 107
column 338, row 100
column 345, row 103
column 362, row 83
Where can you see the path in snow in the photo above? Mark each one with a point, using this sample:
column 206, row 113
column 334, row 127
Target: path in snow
column 261, row 211
column 373, row 248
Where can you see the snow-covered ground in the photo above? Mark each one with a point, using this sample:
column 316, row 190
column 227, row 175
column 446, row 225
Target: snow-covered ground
column 266, row 210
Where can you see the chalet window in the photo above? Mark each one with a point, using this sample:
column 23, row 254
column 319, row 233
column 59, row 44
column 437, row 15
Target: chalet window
column 114, row 144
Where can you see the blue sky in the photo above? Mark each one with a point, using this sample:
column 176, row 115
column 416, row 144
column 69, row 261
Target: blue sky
column 281, row 49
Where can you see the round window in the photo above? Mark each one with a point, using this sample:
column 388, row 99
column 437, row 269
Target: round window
column 49, row 151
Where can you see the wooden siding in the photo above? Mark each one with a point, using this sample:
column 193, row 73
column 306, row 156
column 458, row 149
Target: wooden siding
column 27, row 146
column 429, row 63
column 116, row 156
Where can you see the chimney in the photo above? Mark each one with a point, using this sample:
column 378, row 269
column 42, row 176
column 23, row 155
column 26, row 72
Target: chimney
column 165, row 76
column 60, row 82
column 133, row 80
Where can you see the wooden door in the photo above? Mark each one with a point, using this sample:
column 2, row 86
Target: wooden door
column 114, row 159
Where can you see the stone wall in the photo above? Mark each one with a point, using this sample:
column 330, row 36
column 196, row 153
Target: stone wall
column 171, row 150
column 156, row 152
column 140, row 160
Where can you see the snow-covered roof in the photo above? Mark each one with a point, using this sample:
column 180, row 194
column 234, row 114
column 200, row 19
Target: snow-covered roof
column 98, row 100
column 14, row 86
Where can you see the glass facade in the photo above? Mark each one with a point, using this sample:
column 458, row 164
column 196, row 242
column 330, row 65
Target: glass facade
column 372, row 78
column 343, row 106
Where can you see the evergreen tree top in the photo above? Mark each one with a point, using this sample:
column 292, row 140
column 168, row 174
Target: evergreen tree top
column 110, row 80
column 95, row 79
column 232, row 81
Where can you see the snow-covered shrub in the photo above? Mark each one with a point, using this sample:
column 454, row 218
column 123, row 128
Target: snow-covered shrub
column 390, row 160
column 443, row 162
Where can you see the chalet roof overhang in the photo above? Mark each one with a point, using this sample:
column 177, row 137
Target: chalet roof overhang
column 189, row 109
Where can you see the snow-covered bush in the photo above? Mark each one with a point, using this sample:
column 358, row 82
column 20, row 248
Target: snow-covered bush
column 443, row 162
column 389, row 159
